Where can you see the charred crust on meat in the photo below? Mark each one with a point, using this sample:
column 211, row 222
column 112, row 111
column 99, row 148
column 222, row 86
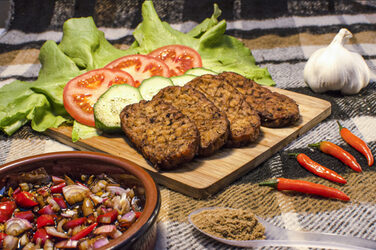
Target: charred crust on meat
column 199, row 118
column 163, row 135
column 275, row 110
column 212, row 124
column 244, row 121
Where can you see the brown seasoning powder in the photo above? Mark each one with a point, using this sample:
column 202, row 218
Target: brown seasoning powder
column 230, row 224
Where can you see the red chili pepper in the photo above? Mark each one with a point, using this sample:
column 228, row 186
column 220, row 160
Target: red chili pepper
column 306, row 187
column 25, row 199
column 356, row 143
column 84, row 232
column 74, row 223
column 40, row 236
column 45, row 220
column 108, row 217
column 58, row 188
column 6, row 210
column 318, row 169
column 46, row 210
column 339, row 153
column 138, row 214
column 57, row 180
column 27, row 215
column 2, row 237
column 60, row 201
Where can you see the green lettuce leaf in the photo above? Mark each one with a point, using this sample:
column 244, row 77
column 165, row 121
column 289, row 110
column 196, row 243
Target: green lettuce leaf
column 219, row 52
column 81, row 131
column 87, row 46
column 40, row 101
column 84, row 47
column 201, row 28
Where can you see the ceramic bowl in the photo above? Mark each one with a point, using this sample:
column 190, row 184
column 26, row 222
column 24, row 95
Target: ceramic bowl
column 142, row 234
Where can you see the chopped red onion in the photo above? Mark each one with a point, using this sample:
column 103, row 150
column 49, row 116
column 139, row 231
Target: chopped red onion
column 67, row 244
column 105, row 230
column 10, row 242
column 117, row 190
column 75, row 193
column 129, row 217
column 17, row 226
column 53, row 232
column 116, row 234
column 100, row 242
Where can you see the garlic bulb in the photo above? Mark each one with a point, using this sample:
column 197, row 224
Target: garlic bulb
column 337, row 68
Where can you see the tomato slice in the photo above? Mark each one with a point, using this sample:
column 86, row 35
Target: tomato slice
column 81, row 93
column 179, row 58
column 140, row 67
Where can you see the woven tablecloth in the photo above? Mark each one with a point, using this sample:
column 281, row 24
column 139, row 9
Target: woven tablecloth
column 281, row 34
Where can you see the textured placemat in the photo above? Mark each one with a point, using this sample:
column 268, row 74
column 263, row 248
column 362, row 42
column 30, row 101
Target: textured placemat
column 282, row 35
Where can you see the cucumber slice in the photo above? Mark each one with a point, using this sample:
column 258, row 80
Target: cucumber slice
column 182, row 79
column 151, row 86
column 200, row 72
column 109, row 105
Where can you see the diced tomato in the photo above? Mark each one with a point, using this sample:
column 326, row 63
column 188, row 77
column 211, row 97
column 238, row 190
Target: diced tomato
column 74, row 223
column 57, row 180
column 41, row 236
column 2, row 236
column 25, row 199
column 60, row 201
column 6, row 210
column 138, row 214
column 58, row 188
column 27, row 215
column 140, row 67
column 45, row 220
column 108, row 217
column 46, row 210
column 179, row 58
column 81, row 93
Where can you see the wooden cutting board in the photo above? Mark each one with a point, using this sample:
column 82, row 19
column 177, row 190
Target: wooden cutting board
column 205, row 176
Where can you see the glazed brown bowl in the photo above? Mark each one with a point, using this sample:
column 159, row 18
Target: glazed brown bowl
column 142, row 234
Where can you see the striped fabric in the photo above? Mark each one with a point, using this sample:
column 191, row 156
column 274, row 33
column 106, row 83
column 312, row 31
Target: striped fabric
column 281, row 34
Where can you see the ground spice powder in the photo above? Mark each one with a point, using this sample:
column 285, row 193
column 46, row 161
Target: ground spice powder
column 230, row 224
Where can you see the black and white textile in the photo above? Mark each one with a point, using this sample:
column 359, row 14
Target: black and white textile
column 281, row 34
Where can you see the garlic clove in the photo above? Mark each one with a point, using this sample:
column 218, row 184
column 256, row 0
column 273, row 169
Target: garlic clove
column 358, row 77
column 336, row 68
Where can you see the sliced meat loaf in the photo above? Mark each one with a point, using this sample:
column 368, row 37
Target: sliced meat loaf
column 160, row 132
column 244, row 121
column 275, row 110
column 212, row 124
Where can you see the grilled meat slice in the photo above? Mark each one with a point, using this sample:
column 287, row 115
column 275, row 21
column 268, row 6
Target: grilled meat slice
column 275, row 110
column 244, row 121
column 160, row 132
column 212, row 124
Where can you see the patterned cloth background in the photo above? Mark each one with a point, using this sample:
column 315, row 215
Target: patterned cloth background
column 282, row 34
